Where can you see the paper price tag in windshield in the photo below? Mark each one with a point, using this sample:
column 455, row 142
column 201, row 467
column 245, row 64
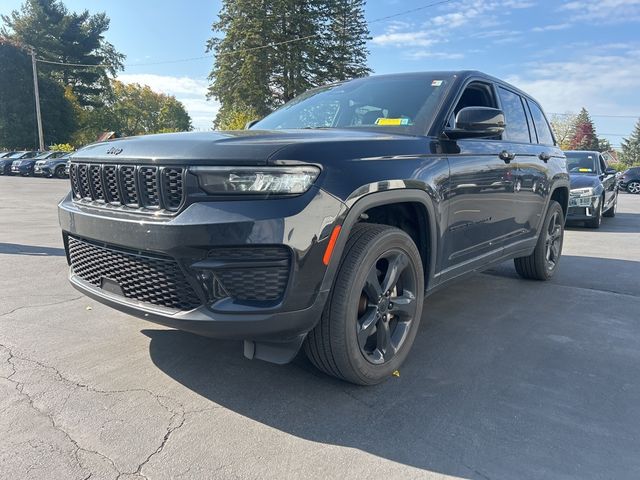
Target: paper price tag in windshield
column 436, row 83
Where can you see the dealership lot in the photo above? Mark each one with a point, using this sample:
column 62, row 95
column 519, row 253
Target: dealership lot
column 507, row 378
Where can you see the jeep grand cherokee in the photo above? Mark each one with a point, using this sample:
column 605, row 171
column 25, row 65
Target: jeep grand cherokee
column 325, row 224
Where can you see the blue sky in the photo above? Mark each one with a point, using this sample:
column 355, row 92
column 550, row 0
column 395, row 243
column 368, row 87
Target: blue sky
column 566, row 53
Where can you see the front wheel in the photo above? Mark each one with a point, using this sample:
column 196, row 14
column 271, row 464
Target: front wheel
column 611, row 212
column 60, row 172
column 373, row 313
column 596, row 221
column 543, row 262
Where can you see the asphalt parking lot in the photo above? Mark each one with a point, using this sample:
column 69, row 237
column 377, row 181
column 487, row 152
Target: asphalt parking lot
column 507, row 378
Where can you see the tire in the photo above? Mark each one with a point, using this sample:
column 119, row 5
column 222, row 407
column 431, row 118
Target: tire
column 355, row 339
column 634, row 187
column 543, row 262
column 612, row 210
column 59, row 172
column 596, row 221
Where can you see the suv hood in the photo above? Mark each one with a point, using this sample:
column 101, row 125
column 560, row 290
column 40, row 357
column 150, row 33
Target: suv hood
column 584, row 181
column 242, row 147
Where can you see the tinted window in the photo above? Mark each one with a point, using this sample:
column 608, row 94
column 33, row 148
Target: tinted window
column 542, row 127
column 399, row 104
column 517, row 128
column 581, row 163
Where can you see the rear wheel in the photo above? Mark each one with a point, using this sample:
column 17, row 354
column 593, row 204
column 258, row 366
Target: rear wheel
column 543, row 262
column 633, row 187
column 372, row 315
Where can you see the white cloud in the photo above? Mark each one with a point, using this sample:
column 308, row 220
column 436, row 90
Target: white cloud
column 421, row 54
column 437, row 29
column 190, row 91
column 603, row 11
column 551, row 28
column 601, row 83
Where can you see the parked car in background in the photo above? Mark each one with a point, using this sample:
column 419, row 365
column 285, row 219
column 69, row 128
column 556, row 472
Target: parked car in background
column 67, row 166
column 25, row 165
column 19, row 157
column 52, row 166
column 327, row 222
column 5, row 163
column 630, row 180
column 594, row 188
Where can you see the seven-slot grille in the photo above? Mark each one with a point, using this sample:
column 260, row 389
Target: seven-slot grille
column 156, row 280
column 146, row 187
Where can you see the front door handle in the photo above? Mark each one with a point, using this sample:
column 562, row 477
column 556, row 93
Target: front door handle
column 544, row 156
column 506, row 156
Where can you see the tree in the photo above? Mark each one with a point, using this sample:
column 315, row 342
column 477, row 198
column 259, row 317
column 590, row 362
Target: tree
column 584, row 135
column 631, row 148
column 274, row 50
column 345, row 41
column 18, row 127
column 564, row 129
column 58, row 35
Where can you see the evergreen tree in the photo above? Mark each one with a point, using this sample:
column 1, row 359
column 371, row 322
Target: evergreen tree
column 584, row 134
column 61, row 36
column 631, row 147
column 273, row 50
column 345, row 43
column 18, row 127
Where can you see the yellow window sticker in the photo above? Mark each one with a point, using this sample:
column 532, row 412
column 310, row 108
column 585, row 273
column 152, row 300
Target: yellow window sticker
column 392, row 122
column 584, row 170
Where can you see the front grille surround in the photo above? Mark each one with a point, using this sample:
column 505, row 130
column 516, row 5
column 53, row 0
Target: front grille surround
column 146, row 189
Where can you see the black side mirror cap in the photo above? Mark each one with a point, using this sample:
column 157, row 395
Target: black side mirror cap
column 250, row 124
column 477, row 122
column 610, row 171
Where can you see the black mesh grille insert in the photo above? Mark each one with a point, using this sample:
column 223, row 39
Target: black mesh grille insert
column 267, row 282
column 110, row 173
column 172, row 184
column 154, row 280
column 146, row 187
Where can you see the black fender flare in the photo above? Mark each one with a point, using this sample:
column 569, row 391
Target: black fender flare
column 374, row 200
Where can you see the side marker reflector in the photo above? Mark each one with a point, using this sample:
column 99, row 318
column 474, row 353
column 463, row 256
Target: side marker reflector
column 332, row 243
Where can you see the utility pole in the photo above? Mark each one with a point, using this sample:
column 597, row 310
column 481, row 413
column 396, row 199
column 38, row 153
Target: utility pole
column 37, row 95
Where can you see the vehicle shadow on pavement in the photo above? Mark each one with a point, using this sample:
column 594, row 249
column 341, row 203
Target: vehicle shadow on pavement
column 35, row 250
column 493, row 388
column 621, row 223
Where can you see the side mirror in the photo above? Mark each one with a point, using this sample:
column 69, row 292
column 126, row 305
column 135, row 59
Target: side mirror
column 250, row 124
column 610, row 171
column 477, row 122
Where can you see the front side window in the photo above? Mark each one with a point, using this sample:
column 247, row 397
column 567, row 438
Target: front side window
column 517, row 129
column 395, row 104
column 582, row 163
column 545, row 137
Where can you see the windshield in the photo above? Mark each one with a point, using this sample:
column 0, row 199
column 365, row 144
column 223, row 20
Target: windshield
column 396, row 104
column 43, row 156
column 17, row 155
column 582, row 163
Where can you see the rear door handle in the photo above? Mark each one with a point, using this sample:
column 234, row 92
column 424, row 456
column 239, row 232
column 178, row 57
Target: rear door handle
column 506, row 156
column 544, row 156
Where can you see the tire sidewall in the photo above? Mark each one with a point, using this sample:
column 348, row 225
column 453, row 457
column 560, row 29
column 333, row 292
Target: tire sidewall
column 347, row 314
column 554, row 207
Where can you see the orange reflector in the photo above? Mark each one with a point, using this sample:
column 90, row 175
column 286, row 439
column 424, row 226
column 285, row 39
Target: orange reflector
column 332, row 243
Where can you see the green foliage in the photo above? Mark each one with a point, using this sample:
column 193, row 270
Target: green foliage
column 61, row 36
column 62, row 147
column 630, row 155
column 273, row 50
column 18, row 127
column 236, row 119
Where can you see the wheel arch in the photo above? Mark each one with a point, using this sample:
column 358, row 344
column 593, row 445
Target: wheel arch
column 411, row 198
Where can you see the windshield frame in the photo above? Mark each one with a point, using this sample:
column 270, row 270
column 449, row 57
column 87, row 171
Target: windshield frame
column 424, row 118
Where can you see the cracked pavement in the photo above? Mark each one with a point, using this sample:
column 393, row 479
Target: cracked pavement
column 507, row 378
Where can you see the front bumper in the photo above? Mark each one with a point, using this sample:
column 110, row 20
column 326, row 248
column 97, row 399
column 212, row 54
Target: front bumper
column 43, row 170
column 583, row 208
column 21, row 170
column 301, row 224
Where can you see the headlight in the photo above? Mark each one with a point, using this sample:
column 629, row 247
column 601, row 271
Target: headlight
column 256, row 180
column 582, row 192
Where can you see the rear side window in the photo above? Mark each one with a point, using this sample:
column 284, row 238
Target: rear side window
column 517, row 129
column 542, row 127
